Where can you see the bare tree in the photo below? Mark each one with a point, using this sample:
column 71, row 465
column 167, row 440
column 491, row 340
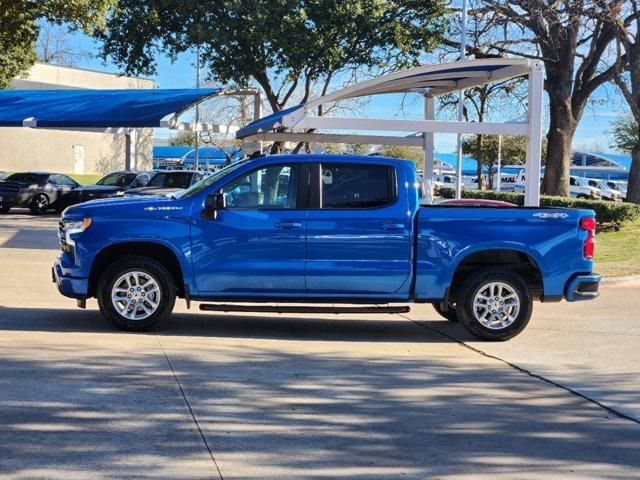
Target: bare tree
column 55, row 47
column 572, row 39
column 626, row 21
column 485, row 101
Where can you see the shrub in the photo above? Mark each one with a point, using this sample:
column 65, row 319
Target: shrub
column 607, row 213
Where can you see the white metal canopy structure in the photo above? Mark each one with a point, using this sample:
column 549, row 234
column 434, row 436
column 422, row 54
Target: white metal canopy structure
column 300, row 123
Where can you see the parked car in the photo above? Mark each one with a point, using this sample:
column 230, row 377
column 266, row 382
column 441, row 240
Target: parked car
column 618, row 185
column 37, row 191
column 446, row 181
column 111, row 185
column 607, row 193
column 322, row 229
column 579, row 187
column 167, row 182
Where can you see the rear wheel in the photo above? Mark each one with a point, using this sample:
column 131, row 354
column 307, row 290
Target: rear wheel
column 39, row 204
column 494, row 304
column 5, row 207
column 449, row 313
column 136, row 294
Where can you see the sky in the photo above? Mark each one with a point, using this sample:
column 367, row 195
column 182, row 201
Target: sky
column 592, row 132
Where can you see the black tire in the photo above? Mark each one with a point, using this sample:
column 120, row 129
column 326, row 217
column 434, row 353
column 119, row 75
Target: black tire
column 474, row 286
column 39, row 204
column 448, row 314
column 581, row 195
column 5, row 207
column 150, row 268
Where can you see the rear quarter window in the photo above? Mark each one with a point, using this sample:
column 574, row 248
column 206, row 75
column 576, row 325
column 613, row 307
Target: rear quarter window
column 357, row 186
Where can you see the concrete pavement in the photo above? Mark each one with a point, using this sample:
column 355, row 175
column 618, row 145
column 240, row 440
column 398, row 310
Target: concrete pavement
column 260, row 396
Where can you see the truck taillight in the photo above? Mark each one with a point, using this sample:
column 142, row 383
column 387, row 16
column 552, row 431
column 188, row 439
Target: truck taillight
column 589, row 224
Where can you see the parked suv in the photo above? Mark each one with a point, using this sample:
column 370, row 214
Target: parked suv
column 37, row 191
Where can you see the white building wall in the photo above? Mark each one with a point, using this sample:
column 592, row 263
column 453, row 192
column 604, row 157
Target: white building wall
column 24, row 149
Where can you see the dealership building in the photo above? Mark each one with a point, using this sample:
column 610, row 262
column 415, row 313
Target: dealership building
column 83, row 151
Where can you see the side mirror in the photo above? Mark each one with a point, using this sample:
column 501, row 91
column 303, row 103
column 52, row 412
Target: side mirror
column 213, row 203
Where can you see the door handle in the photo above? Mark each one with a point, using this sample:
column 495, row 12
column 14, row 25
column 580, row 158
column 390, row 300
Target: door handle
column 392, row 226
column 288, row 225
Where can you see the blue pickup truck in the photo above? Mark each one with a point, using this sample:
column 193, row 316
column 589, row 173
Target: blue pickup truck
column 322, row 229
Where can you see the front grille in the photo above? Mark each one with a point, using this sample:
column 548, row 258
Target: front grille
column 61, row 235
column 64, row 246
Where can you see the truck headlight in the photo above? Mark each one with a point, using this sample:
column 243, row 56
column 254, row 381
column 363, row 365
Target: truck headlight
column 72, row 227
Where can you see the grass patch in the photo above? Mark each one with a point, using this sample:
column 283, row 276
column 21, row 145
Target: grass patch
column 618, row 252
column 85, row 179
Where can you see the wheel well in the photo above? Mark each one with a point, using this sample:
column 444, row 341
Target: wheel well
column 514, row 260
column 155, row 251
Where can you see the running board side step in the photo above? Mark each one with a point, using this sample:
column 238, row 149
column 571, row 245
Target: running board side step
column 223, row 307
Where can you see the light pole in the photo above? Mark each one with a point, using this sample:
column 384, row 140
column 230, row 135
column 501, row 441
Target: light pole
column 463, row 55
column 197, row 136
column 499, row 172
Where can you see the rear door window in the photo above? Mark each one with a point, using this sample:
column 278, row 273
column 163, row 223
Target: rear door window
column 357, row 186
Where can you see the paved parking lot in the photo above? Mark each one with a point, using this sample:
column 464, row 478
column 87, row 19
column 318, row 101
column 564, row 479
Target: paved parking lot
column 264, row 396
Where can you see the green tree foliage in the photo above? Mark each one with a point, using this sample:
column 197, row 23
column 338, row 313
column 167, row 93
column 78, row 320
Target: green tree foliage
column 357, row 148
column 626, row 133
column 19, row 28
column 284, row 45
column 402, row 151
column 514, row 149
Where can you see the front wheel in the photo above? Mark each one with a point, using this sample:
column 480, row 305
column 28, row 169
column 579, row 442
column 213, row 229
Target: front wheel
column 494, row 304
column 136, row 294
column 40, row 204
column 5, row 207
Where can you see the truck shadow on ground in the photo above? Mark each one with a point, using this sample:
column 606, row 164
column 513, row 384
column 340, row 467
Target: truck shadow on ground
column 320, row 412
column 304, row 328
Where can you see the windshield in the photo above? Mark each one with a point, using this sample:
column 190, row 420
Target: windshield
column 582, row 182
column 201, row 185
column 171, row 180
column 117, row 179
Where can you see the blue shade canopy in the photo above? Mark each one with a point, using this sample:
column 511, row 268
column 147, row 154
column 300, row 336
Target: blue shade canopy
column 96, row 108
column 211, row 155
column 469, row 164
column 601, row 160
column 161, row 152
column 270, row 122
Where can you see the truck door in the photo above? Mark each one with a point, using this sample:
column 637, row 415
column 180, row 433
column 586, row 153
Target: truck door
column 359, row 238
column 256, row 245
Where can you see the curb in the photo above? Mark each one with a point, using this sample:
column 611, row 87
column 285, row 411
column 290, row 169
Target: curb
column 623, row 279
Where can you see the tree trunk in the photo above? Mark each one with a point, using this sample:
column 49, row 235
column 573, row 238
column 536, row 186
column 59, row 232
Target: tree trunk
column 480, row 160
column 562, row 127
column 633, row 188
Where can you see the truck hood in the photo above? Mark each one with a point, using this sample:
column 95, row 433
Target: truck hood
column 127, row 206
column 159, row 191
